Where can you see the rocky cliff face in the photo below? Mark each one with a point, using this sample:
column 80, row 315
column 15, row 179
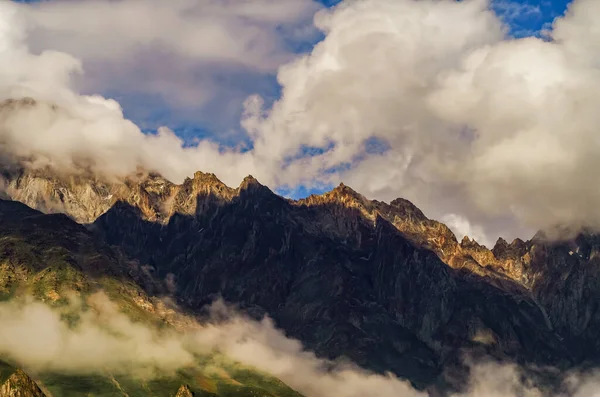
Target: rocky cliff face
column 85, row 197
column 184, row 391
column 379, row 283
column 19, row 384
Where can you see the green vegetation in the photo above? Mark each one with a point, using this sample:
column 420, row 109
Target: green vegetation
column 262, row 381
column 251, row 384
column 71, row 386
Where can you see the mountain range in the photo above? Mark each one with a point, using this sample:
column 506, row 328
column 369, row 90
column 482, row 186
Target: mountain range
column 376, row 283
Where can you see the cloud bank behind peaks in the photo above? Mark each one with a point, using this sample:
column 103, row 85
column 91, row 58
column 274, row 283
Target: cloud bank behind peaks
column 499, row 133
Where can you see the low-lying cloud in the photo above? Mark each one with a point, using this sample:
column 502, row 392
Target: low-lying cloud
column 261, row 345
column 39, row 338
column 103, row 339
column 500, row 132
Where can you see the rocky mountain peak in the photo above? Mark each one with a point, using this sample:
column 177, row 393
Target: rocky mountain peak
column 251, row 187
column 208, row 180
column 19, row 384
column 81, row 196
column 346, row 197
column 249, row 182
column 153, row 184
column 344, row 191
column 408, row 209
column 503, row 250
column 501, row 243
column 471, row 244
column 413, row 224
column 201, row 185
column 184, row 391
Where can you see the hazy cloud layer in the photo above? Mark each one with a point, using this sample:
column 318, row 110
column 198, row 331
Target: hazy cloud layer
column 37, row 337
column 499, row 132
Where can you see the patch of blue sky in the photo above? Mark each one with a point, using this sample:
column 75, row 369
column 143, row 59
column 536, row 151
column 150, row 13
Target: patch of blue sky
column 523, row 17
column 529, row 18
column 329, row 3
column 307, row 151
column 301, row 191
column 342, row 167
column 375, row 145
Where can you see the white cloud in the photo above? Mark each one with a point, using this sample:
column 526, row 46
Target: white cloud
column 462, row 227
column 208, row 30
column 501, row 132
column 104, row 339
column 187, row 55
column 491, row 379
column 477, row 124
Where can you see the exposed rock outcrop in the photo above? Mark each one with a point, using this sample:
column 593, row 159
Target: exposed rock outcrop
column 19, row 384
column 184, row 391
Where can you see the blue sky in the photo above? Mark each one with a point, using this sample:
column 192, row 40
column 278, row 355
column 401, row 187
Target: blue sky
column 529, row 17
column 524, row 17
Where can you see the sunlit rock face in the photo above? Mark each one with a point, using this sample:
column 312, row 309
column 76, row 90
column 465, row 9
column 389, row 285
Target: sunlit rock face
column 378, row 283
column 19, row 384
column 184, row 391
